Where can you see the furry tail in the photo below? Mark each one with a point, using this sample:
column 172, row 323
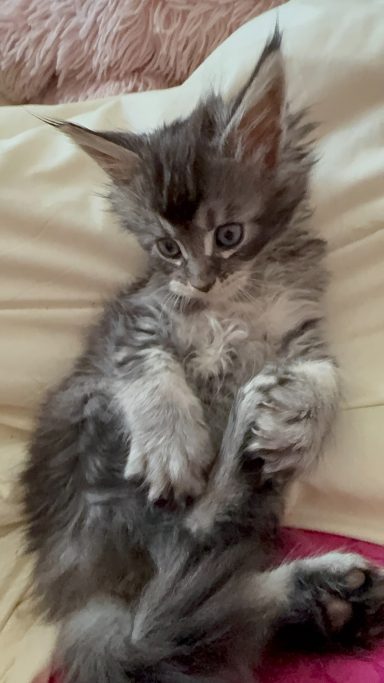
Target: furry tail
column 194, row 621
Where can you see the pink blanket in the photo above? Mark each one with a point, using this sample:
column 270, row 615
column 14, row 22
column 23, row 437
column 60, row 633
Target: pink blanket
column 367, row 667
column 74, row 50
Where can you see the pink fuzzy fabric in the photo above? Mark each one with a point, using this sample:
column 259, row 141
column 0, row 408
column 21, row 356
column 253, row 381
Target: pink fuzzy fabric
column 67, row 50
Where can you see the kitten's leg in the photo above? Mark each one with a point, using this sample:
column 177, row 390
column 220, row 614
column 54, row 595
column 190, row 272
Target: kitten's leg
column 171, row 448
column 284, row 414
column 84, row 522
column 213, row 619
column 277, row 426
column 286, row 411
column 331, row 601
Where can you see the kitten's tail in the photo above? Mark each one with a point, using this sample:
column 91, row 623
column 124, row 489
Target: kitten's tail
column 196, row 620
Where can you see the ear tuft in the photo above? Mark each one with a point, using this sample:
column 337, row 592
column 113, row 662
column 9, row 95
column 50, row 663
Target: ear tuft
column 107, row 149
column 256, row 123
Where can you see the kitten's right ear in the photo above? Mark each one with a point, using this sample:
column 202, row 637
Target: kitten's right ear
column 107, row 149
column 257, row 120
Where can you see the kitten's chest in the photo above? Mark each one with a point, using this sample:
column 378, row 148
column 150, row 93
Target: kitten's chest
column 220, row 349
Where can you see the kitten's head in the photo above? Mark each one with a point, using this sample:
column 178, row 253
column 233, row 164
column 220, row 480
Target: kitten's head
column 205, row 194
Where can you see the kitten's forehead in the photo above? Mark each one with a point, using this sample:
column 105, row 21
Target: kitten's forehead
column 178, row 172
column 210, row 214
column 200, row 228
column 201, row 192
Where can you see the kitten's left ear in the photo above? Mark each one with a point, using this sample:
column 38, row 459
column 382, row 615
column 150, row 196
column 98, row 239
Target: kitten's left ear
column 256, row 123
column 109, row 150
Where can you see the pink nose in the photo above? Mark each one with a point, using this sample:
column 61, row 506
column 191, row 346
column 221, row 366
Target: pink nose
column 204, row 287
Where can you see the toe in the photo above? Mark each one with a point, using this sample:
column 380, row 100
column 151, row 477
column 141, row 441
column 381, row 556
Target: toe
column 339, row 612
column 355, row 579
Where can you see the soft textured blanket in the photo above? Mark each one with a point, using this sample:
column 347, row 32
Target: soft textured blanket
column 62, row 51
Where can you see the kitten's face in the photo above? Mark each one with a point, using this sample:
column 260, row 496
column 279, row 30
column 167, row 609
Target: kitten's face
column 203, row 221
column 205, row 194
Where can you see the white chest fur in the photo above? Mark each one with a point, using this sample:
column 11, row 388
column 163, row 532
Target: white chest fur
column 240, row 337
column 215, row 343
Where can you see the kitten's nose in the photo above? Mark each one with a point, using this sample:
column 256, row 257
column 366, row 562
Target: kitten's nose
column 203, row 286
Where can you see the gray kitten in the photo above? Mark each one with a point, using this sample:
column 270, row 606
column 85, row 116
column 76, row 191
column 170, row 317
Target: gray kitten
column 154, row 485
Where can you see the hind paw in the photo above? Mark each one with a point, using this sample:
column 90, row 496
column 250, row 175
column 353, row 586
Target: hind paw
column 338, row 602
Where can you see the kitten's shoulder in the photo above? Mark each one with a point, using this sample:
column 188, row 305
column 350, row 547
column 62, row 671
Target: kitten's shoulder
column 136, row 305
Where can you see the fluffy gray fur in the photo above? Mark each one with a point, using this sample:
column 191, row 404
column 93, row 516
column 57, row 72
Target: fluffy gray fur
column 154, row 484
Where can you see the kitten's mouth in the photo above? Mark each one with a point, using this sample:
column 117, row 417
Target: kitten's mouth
column 187, row 291
column 229, row 290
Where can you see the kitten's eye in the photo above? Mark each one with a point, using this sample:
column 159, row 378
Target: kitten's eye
column 228, row 236
column 168, row 248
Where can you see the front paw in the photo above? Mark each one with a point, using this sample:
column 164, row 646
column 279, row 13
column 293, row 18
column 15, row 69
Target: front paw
column 172, row 464
column 285, row 423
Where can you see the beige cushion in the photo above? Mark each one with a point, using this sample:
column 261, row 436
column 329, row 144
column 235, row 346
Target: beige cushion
column 61, row 255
